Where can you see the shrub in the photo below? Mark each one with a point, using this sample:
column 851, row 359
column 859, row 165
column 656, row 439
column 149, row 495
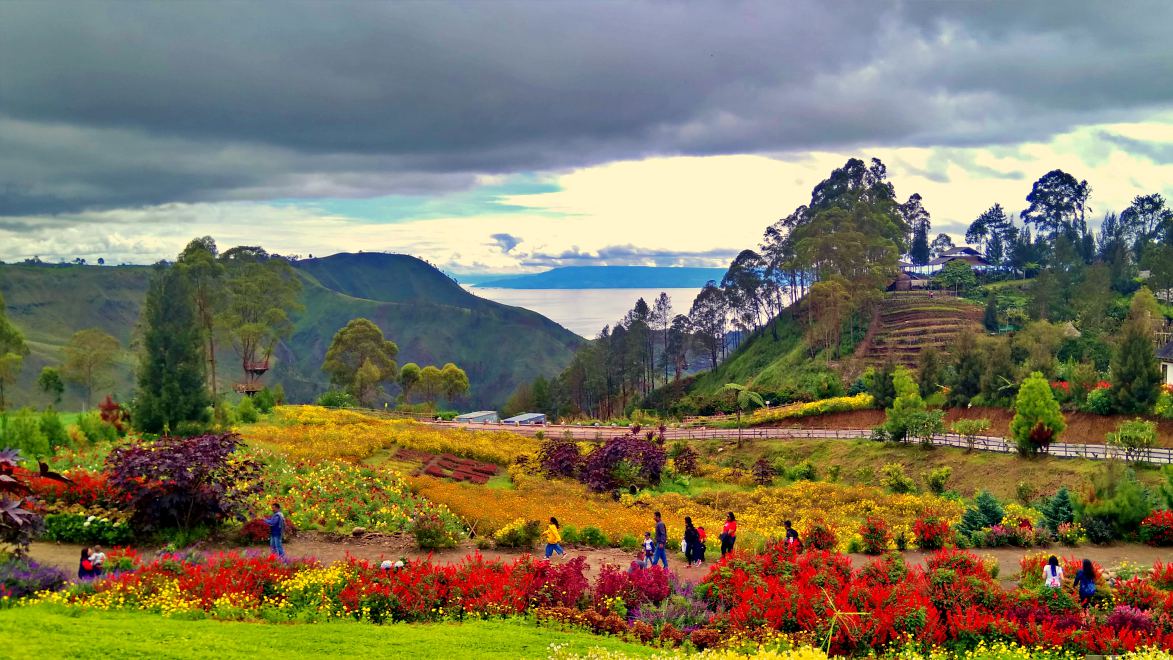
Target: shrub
column 85, row 529
column 520, row 533
column 629, row 543
column 337, row 399
column 763, row 472
column 21, row 577
column 559, row 457
column 570, row 534
column 820, row 536
column 937, row 478
column 804, row 471
column 265, row 400
column 896, row 480
column 685, row 461
column 1070, row 534
column 623, row 461
column 903, row 415
column 183, row 483
column 432, row 532
column 1157, row 529
column 594, row 537
column 95, row 429
column 875, row 535
column 54, row 430
column 970, row 429
column 1058, row 510
column 23, row 432
column 1098, row 530
column 1099, row 402
column 1125, row 617
column 932, row 533
column 1118, row 500
column 246, row 412
column 1135, row 438
column 1037, row 419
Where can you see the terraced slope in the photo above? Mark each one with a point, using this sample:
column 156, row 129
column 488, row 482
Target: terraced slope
column 911, row 321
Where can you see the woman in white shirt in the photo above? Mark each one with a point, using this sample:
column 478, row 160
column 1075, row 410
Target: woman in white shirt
column 1053, row 573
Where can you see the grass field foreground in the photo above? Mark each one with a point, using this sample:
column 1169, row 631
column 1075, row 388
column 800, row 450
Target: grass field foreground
column 57, row 632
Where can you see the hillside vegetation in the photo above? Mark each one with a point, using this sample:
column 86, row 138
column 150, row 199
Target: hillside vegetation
column 430, row 317
column 910, row 322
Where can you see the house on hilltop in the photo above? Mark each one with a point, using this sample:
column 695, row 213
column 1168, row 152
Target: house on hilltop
column 975, row 259
column 1165, row 355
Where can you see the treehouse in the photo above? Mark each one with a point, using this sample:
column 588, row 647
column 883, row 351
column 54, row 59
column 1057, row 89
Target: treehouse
column 252, row 377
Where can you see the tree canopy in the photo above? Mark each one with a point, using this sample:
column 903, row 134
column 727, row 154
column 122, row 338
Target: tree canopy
column 360, row 360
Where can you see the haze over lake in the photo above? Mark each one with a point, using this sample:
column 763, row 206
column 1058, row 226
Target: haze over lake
column 584, row 311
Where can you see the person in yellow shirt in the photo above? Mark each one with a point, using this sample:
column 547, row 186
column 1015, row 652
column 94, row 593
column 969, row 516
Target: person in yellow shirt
column 554, row 539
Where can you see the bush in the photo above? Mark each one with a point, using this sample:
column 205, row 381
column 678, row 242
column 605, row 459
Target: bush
column 629, row 543
column 21, row 577
column 1098, row 530
column 804, row 471
column 96, row 430
column 337, row 399
column 896, row 480
column 820, row 536
column 265, row 401
column 559, row 457
column 1118, row 500
column 970, row 429
column 54, row 430
column 594, row 537
column 875, row 536
column 86, row 530
column 23, row 432
column 431, row 532
column 570, row 534
column 905, row 407
column 1164, row 405
column 1025, row 491
column 1135, row 438
column 1157, row 529
column 1058, row 510
column 1070, row 534
column 246, row 411
column 520, row 533
column 763, row 472
column 184, row 483
column 1099, row 402
column 623, row 461
column 937, row 478
column 1037, row 419
column 685, row 461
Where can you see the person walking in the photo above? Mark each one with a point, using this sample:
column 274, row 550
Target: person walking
column 1053, row 573
column 792, row 535
column 692, row 542
column 649, row 549
column 85, row 567
column 728, row 534
column 276, row 523
column 661, row 553
column 701, row 547
column 1085, row 582
column 554, row 539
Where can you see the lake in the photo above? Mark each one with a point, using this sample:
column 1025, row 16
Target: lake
column 585, row 311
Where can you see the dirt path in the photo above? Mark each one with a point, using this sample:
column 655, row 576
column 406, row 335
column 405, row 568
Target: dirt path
column 375, row 549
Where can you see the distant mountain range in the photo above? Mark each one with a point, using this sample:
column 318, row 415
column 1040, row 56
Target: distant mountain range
column 604, row 277
column 430, row 317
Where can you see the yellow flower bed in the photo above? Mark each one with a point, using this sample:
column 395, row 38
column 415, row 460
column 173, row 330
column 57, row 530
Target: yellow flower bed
column 983, row 651
column 312, row 433
column 862, row 401
column 759, row 512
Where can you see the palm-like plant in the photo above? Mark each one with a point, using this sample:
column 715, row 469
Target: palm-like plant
column 745, row 399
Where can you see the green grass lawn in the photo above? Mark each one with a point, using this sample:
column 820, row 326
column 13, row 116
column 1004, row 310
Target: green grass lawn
column 54, row 632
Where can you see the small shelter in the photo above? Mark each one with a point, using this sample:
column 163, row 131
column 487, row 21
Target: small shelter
column 909, row 281
column 527, row 419
column 1165, row 355
column 478, row 417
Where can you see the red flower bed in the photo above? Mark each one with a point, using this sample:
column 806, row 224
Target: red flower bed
column 1157, row 529
column 932, row 533
column 88, row 489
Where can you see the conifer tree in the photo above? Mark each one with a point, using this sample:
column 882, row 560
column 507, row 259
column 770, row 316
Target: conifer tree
column 172, row 394
column 1059, row 510
column 1037, row 419
column 1136, row 375
column 990, row 317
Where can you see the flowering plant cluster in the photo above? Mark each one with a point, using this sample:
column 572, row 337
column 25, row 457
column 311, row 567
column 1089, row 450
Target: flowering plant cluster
column 1157, row 529
column 932, row 533
column 862, row 401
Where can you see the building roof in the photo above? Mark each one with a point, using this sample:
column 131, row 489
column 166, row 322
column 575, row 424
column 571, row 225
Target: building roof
column 1165, row 353
column 961, row 251
column 525, row 417
column 479, row 413
column 972, row 259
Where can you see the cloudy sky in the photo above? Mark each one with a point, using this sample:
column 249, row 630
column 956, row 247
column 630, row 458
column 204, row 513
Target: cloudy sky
column 500, row 136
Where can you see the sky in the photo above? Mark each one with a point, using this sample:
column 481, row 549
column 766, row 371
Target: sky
column 518, row 136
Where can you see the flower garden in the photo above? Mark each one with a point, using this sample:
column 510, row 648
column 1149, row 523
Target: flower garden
column 334, row 471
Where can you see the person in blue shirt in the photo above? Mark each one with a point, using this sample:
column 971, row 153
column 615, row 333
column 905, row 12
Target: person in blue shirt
column 276, row 524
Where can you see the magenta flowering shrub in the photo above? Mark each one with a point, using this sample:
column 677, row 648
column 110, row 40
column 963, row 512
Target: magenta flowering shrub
column 626, row 460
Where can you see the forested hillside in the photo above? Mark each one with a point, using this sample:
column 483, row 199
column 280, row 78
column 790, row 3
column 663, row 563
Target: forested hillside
column 430, row 317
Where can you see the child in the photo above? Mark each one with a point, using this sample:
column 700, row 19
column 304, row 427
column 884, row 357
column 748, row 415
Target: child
column 700, row 553
column 649, row 548
column 554, row 539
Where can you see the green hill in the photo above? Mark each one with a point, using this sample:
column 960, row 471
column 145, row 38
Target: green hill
column 430, row 317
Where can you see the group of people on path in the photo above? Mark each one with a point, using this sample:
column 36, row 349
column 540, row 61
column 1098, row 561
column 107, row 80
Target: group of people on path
column 655, row 543
column 1085, row 579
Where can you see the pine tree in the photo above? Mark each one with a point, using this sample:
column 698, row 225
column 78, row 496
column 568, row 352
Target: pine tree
column 1059, row 510
column 990, row 317
column 967, row 381
column 172, row 393
column 1037, row 419
column 1136, row 375
column 989, row 507
column 929, row 372
column 882, row 390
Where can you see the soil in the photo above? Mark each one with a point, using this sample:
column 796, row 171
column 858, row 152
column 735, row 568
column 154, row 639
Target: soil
column 1084, row 428
column 376, row 548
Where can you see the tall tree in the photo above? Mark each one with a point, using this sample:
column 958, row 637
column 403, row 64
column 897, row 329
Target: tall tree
column 431, row 383
column 677, row 347
column 360, row 359
column 262, row 290
column 172, row 394
column 1144, row 219
column 1136, row 374
column 89, row 359
column 199, row 264
column 707, row 318
column 1058, row 204
column 12, row 352
column 968, row 368
column 50, row 383
column 940, row 245
column 917, row 218
column 661, row 321
column 409, row 377
column 456, row 383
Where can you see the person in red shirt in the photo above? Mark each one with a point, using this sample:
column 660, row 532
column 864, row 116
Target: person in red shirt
column 728, row 534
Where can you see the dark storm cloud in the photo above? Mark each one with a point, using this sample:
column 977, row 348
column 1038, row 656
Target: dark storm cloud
column 124, row 104
column 505, row 241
